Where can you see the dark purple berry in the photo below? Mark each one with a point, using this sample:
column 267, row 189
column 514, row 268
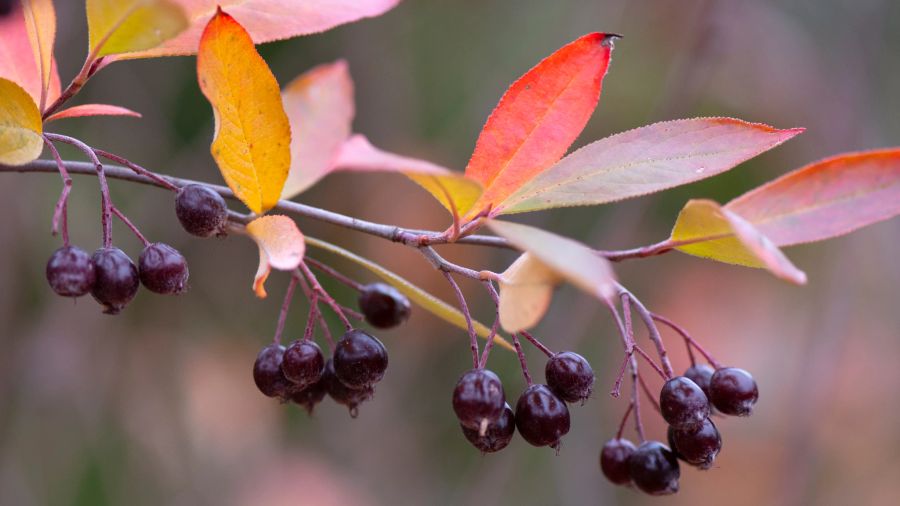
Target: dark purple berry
column 700, row 374
column 267, row 372
column 341, row 393
column 116, row 280
column 478, row 399
column 670, row 437
column 70, row 271
column 614, row 460
column 359, row 359
column 698, row 446
column 303, row 363
column 541, row 417
column 570, row 376
column 654, row 468
column 496, row 436
column 310, row 396
column 163, row 269
column 683, row 403
column 201, row 211
column 733, row 391
column 383, row 305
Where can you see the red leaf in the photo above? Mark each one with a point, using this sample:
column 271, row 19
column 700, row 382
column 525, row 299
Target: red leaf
column 539, row 117
column 19, row 59
column 825, row 199
column 79, row 111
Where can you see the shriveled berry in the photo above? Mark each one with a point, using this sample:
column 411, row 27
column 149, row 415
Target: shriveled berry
column 267, row 372
column 116, row 281
column 614, row 459
column 310, row 396
column 383, row 305
column 541, row 417
column 733, row 391
column 683, row 403
column 654, row 468
column 698, row 446
column 478, row 399
column 700, row 374
column 570, row 376
column 496, row 436
column 359, row 359
column 341, row 393
column 201, row 211
column 303, row 363
column 70, row 271
column 163, row 269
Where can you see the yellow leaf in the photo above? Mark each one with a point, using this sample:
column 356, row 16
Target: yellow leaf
column 40, row 22
column 422, row 298
column 281, row 246
column 123, row 26
column 526, row 289
column 253, row 136
column 20, row 125
column 708, row 230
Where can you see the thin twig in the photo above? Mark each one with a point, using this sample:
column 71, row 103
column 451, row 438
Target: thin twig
column 690, row 341
column 473, row 337
column 522, row 362
column 489, row 345
column 352, row 283
column 60, row 212
column 651, row 330
column 328, row 299
column 624, row 420
column 537, row 344
column 285, row 307
column 131, row 226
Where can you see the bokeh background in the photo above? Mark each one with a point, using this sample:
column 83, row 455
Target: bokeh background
column 157, row 405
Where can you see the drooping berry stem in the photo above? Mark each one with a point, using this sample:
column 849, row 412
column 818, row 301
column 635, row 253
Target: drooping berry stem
column 311, row 319
column 352, row 283
column 473, row 338
column 318, row 312
column 653, row 332
column 161, row 181
column 687, row 339
column 131, row 226
column 285, row 307
column 625, row 332
column 328, row 299
column 617, row 386
column 537, row 344
column 635, row 399
column 60, row 212
column 489, row 345
column 105, row 203
column 649, row 394
column 650, row 361
column 522, row 362
column 624, row 420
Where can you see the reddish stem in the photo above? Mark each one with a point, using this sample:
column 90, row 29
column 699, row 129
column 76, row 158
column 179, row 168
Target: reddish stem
column 651, row 330
column 489, row 345
column 328, row 299
column 334, row 274
column 311, row 319
column 161, row 181
column 650, row 361
column 649, row 395
column 690, row 341
column 522, row 362
column 60, row 212
column 130, row 225
column 285, row 306
column 537, row 344
column 624, row 420
column 473, row 337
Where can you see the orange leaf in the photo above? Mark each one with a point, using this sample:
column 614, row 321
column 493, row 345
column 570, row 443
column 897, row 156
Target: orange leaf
column 706, row 229
column 83, row 110
column 267, row 20
column 253, row 136
column 23, row 54
column 281, row 247
column 526, row 289
column 319, row 104
column 825, row 199
column 539, row 117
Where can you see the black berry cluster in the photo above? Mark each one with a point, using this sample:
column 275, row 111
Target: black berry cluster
column 300, row 374
column 686, row 403
column 541, row 415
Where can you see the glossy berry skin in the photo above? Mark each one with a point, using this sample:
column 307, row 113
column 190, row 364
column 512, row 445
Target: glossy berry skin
column 341, row 393
column 683, row 403
column 614, row 460
column 359, row 359
column 201, row 211
column 654, row 468
column 116, row 281
column 570, row 376
column 303, row 363
column 163, row 269
column 698, row 447
column 700, row 374
column 541, row 417
column 310, row 396
column 383, row 305
column 267, row 372
column 478, row 399
column 497, row 435
column 70, row 271
column 733, row 391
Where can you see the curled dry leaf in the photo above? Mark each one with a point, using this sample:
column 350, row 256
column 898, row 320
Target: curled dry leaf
column 123, row 26
column 20, row 125
column 706, row 229
column 526, row 289
column 252, row 141
column 281, row 247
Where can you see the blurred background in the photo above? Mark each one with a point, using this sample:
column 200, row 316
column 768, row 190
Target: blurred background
column 157, row 405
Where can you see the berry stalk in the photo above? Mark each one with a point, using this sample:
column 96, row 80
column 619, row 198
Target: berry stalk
column 60, row 212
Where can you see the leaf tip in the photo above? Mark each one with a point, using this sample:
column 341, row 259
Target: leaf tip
column 609, row 39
